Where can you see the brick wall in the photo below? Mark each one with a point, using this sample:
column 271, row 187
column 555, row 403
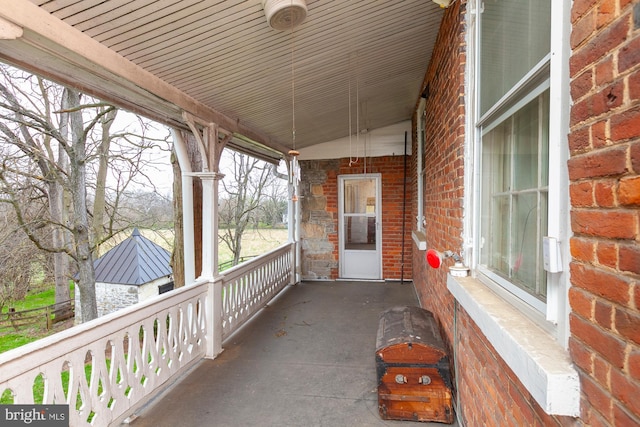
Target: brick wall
column 489, row 392
column 604, row 171
column 319, row 234
column 444, row 165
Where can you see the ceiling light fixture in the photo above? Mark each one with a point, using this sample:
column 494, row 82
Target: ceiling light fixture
column 284, row 14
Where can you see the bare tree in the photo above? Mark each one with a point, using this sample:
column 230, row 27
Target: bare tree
column 60, row 149
column 18, row 260
column 246, row 183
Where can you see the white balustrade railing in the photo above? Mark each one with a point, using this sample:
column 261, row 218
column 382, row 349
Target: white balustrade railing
column 249, row 286
column 106, row 368
column 109, row 367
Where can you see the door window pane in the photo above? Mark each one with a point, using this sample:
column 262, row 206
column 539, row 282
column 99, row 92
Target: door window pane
column 360, row 233
column 360, row 196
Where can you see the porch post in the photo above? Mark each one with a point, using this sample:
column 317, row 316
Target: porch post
column 211, row 143
column 187, row 206
column 210, row 259
column 294, row 217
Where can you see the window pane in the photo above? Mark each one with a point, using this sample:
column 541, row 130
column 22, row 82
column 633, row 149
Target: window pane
column 515, row 35
column 359, row 196
column 514, row 197
column 524, row 250
column 525, row 159
column 360, row 233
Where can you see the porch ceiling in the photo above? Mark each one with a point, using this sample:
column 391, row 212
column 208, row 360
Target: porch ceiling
column 221, row 61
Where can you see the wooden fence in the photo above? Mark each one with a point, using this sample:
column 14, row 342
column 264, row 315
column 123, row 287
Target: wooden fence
column 42, row 317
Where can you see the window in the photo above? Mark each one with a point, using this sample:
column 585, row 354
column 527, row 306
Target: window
column 513, row 128
column 517, row 103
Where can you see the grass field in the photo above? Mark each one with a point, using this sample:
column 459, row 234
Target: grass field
column 255, row 242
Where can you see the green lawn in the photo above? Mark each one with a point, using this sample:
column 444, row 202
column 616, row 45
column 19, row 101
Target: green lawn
column 36, row 299
column 32, row 300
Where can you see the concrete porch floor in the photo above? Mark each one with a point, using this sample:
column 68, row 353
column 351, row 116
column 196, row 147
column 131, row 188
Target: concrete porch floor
column 307, row 359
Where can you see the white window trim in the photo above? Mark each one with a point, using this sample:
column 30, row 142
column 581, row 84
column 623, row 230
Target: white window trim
column 534, row 348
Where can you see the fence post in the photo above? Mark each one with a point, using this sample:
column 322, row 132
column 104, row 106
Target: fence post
column 48, row 314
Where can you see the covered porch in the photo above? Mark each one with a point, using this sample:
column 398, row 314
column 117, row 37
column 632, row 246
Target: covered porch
column 306, row 359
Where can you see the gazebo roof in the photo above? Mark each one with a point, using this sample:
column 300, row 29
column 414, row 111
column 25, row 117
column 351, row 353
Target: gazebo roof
column 135, row 261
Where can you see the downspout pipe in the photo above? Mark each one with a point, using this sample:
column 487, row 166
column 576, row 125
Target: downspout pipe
column 404, row 208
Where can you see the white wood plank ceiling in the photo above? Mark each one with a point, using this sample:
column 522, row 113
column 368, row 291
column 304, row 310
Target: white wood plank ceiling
column 367, row 54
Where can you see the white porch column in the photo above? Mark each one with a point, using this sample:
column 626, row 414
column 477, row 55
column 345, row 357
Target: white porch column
column 294, row 211
column 210, row 259
column 209, row 224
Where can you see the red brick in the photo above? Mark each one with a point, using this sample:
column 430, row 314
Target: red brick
column 602, row 314
column 581, row 302
column 607, row 254
column 604, row 193
column 604, row 71
column 599, row 134
column 582, row 84
column 602, row 372
column 612, row 287
column 583, row 29
column 625, row 125
column 622, row 417
column 626, row 390
column 581, row 194
column 634, row 153
column 600, row 45
column 599, row 399
column 604, row 223
column 606, row 345
column 580, row 8
column 627, row 323
column 579, row 140
column 600, row 163
column 595, row 105
column 592, row 417
column 582, row 249
column 629, row 259
column 633, row 365
column 606, row 12
column 634, row 86
column 629, row 55
column 629, row 191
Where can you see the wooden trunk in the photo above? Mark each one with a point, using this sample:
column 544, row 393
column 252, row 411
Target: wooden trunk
column 414, row 379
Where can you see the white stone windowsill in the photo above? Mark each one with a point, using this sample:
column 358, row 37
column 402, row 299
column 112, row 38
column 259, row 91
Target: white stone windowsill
column 420, row 239
column 538, row 360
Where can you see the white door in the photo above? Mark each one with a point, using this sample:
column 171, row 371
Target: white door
column 360, row 233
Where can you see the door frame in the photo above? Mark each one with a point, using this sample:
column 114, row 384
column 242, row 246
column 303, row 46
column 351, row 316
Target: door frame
column 342, row 252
